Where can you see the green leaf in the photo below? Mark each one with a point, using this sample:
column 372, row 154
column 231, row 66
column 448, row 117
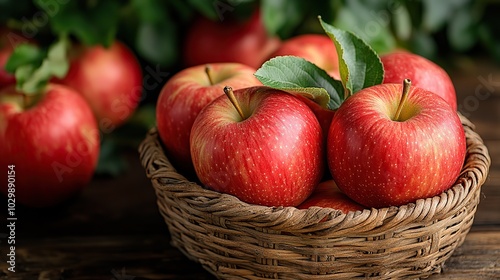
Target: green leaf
column 24, row 54
column 32, row 77
column 360, row 66
column 299, row 76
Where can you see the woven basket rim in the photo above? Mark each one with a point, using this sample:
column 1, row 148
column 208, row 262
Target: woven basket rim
column 473, row 174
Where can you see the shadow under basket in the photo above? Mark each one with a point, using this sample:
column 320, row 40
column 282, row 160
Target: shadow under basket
column 236, row 240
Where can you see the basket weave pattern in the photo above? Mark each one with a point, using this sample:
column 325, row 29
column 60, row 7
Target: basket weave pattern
column 236, row 240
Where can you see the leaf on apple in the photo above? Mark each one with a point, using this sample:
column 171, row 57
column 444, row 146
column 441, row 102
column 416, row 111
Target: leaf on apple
column 299, row 76
column 34, row 67
column 360, row 66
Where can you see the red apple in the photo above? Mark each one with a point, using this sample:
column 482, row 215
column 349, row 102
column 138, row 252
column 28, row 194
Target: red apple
column 52, row 144
column 328, row 195
column 269, row 151
column 316, row 48
column 380, row 159
column 421, row 71
column 183, row 97
column 110, row 79
column 246, row 42
column 323, row 115
column 6, row 78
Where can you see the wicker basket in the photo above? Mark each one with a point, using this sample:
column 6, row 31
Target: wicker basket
column 235, row 240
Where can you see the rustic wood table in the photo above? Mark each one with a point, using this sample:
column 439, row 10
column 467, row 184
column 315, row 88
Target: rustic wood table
column 113, row 230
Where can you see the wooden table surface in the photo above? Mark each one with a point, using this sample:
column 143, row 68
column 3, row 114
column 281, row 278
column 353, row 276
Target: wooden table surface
column 113, row 230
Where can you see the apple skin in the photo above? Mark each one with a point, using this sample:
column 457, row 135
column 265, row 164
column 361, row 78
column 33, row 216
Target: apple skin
column 323, row 115
column 316, row 48
column 272, row 158
column 248, row 42
column 379, row 162
column 320, row 50
column 328, row 195
column 185, row 94
column 54, row 145
column 422, row 72
column 110, row 79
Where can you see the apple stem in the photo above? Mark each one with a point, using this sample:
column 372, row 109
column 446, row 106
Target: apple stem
column 26, row 100
column 230, row 94
column 208, row 71
column 406, row 90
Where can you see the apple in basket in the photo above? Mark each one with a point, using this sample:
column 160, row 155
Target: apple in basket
column 421, row 71
column 388, row 149
column 183, row 97
column 262, row 145
column 328, row 195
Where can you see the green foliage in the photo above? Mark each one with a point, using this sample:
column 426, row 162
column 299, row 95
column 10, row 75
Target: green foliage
column 359, row 65
column 299, row 76
column 34, row 67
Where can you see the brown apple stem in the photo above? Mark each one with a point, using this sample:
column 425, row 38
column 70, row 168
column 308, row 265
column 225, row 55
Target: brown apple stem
column 230, row 94
column 406, row 90
column 26, row 100
column 208, row 71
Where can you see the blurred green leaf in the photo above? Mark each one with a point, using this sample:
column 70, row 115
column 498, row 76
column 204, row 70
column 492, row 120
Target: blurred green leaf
column 437, row 13
column 25, row 54
column 423, row 44
column 149, row 10
column 157, row 35
column 158, row 42
column 92, row 22
column 462, row 30
column 489, row 41
column 372, row 26
column 402, row 22
column 31, row 75
column 283, row 16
